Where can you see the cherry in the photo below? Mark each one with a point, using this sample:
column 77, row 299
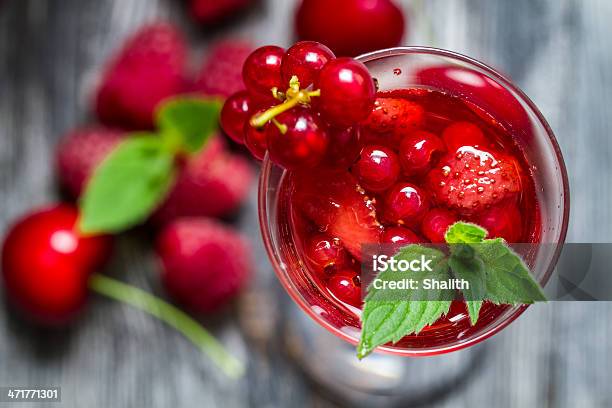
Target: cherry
column 418, row 151
column 482, row 91
column 345, row 286
column 46, row 264
column 323, row 251
column 236, row 111
column 298, row 140
column 304, row 60
column 261, row 71
column 351, row 27
column 343, row 148
column 435, row 224
column 406, row 203
column 463, row 134
column 400, row 236
column 503, row 221
column 347, row 92
column 255, row 139
column 377, row 168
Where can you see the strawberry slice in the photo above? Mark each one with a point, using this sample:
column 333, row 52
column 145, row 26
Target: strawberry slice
column 472, row 180
column 339, row 206
column 395, row 115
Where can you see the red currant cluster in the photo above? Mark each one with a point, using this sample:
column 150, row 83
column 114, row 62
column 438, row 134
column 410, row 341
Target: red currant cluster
column 300, row 106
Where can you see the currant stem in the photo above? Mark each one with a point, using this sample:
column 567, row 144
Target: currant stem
column 172, row 316
column 259, row 121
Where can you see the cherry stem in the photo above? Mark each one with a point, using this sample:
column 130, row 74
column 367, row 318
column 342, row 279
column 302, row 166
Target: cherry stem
column 171, row 315
column 294, row 97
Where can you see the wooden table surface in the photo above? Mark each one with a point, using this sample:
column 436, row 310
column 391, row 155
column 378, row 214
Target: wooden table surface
column 556, row 355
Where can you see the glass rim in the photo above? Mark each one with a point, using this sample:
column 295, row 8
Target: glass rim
column 502, row 321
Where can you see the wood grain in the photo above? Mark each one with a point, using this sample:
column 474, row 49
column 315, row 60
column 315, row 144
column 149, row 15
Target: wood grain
column 555, row 355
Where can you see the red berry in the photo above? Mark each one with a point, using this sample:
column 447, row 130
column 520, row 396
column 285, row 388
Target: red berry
column 210, row 12
column 236, row 111
column 205, row 264
column 395, row 116
column 435, row 224
column 261, row 71
column 305, row 60
column 471, row 180
column 400, row 236
column 503, row 221
column 80, row 152
column 302, row 145
column 351, row 27
column 256, row 140
column 343, row 147
column 148, row 69
column 323, row 250
column 221, row 72
column 344, row 286
column 333, row 200
column 204, row 187
column 418, row 151
column 347, row 92
column 406, row 203
column 46, row 265
column 463, row 134
column 377, row 168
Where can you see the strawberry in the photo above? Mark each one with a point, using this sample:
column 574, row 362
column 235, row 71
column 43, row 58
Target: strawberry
column 78, row 154
column 210, row 11
column 214, row 183
column 148, row 69
column 221, row 73
column 336, row 203
column 394, row 115
column 471, row 180
column 205, row 263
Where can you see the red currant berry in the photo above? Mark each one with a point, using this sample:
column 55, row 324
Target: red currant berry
column 463, row 134
column 405, row 202
column 303, row 141
column 236, row 111
column 305, row 60
column 343, row 148
column 46, row 265
column 351, row 27
column 324, row 251
column 345, row 286
column 400, row 236
column 435, row 224
column 255, row 139
column 261, row 70
column 502, row 222
column 418, row 151
column 377, row 168
column 347, row 92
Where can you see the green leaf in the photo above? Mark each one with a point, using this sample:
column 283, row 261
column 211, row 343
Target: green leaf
column 465, row 233
column 390, row 315
column 508, row 278
column 473, row 271
column 187, row 123
column 127, row 186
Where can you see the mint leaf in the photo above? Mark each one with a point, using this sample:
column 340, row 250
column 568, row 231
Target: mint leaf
column 473, row 271
column 508, row 278
column 390, row 315
column 188, row 122
column 127, row 186
column 465, row 233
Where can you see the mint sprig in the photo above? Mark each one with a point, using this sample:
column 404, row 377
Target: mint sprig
column 492, row 269
column 140, row 172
